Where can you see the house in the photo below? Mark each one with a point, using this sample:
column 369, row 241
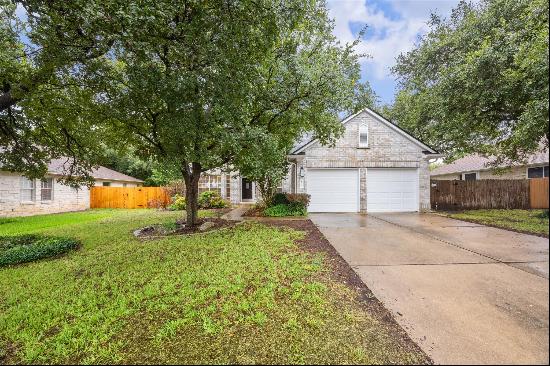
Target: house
column 20, row 196
column 475, row 167
column 374, row 167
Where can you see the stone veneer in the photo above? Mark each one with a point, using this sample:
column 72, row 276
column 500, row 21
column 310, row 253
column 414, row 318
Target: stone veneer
column 387, row 148
column 64, row 198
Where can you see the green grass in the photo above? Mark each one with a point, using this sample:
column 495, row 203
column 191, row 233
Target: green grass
column 528, row 221
column 243, row 295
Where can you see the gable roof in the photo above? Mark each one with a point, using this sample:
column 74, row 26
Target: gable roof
column 379, row 118
column 56, row 167
column 477, row 162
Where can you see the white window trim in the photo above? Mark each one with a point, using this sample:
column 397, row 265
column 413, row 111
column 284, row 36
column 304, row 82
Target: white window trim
column 363, row 128
column 33, row 191
column 52, row 190
column 464, row 175
column 535, row 166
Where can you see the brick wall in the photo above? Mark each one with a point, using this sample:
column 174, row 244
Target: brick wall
column 387, row 148
column 64, row 198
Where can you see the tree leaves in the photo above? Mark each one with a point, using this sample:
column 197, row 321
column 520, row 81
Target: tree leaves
column 478, row 81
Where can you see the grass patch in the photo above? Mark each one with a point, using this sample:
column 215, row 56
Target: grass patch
column 245, row 295
column 527, row 221
column 24, row 225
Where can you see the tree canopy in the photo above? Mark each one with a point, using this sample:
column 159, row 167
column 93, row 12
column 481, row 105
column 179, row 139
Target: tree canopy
column 193, row 85
column 478, row 81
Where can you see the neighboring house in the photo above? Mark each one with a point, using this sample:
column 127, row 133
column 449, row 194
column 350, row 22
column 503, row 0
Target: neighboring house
column 20, row 196
column 374, row 167
column 475, row 167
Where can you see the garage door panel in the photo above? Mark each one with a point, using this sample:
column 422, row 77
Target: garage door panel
column 333, row 190
column 392, row 190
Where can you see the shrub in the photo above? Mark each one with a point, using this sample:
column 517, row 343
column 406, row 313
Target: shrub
column 298, row 198
column 178, row 203
column 211, row 199
column 28, row 248
column 157, row 203
column 544, row 214
column 279, row 199
column 286, row 210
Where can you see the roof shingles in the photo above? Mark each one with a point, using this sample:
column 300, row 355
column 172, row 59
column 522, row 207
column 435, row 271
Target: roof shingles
column 57, row 167
column 476, row 162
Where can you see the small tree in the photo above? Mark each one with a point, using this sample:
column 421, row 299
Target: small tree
column 269, row 171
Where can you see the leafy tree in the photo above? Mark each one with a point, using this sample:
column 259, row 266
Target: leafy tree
column 269, row 171
column 478, row 81
column 363, row 97
column 40, row 59
column 195, row 85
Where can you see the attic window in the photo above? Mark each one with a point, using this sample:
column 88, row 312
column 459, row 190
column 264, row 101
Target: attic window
column 363, row 136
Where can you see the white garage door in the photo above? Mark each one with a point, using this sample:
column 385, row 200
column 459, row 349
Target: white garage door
column 333, row 190
column 392, row 190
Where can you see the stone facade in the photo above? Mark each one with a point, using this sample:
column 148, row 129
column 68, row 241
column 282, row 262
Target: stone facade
column 64, row 198
column 387, row 148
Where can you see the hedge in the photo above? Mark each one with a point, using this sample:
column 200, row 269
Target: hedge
column 28, row 248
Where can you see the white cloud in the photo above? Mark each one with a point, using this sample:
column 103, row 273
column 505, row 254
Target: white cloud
column 389, row 35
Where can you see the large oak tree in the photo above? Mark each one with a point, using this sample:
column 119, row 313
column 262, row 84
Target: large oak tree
column 477, row 82
column 196, row 85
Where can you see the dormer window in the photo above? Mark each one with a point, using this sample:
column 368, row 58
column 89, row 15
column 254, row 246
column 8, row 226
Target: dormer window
column 363, row 135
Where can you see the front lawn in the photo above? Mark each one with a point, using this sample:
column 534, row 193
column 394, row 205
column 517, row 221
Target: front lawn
column 250, row 294
column 527, row 221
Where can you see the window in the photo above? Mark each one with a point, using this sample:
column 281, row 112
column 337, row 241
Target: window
column 363, row 136
column 106, row 184
column 27, row 189
column 537, row 172
column 470, row 176
column 46, row 189
column 208, row 182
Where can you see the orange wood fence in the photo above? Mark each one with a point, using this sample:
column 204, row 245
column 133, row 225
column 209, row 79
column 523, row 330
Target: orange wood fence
column 126, row 197
column 538, row 192
column 489, row 193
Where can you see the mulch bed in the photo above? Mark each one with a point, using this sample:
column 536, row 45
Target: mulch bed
column 315, row 242
column 155, row 231
column 253, row 212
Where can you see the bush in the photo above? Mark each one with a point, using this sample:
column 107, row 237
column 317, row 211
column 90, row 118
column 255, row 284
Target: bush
column 544, row 214
column 286, row 210
column 178, row 203
column 279, row 199
column 298, row 198
column 211, row 199
column 28, row 248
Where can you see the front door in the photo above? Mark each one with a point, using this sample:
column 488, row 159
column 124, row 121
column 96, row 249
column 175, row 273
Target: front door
column 246, row 189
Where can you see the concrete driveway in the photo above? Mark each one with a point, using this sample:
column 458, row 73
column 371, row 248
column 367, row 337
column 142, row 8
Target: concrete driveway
column 466, row 293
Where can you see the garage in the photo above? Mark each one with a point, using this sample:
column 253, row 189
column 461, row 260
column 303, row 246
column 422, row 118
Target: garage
column 333, row 190
column 392, row 190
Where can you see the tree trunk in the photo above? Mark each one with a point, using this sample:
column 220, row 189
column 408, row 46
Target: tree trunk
column 191, row 176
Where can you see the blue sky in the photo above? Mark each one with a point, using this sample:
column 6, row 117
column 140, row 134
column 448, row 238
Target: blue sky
column 393, row 28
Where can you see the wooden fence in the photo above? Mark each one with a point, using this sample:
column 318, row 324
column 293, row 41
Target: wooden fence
column 538, row 192
column 489, row 193
column 125, row 197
